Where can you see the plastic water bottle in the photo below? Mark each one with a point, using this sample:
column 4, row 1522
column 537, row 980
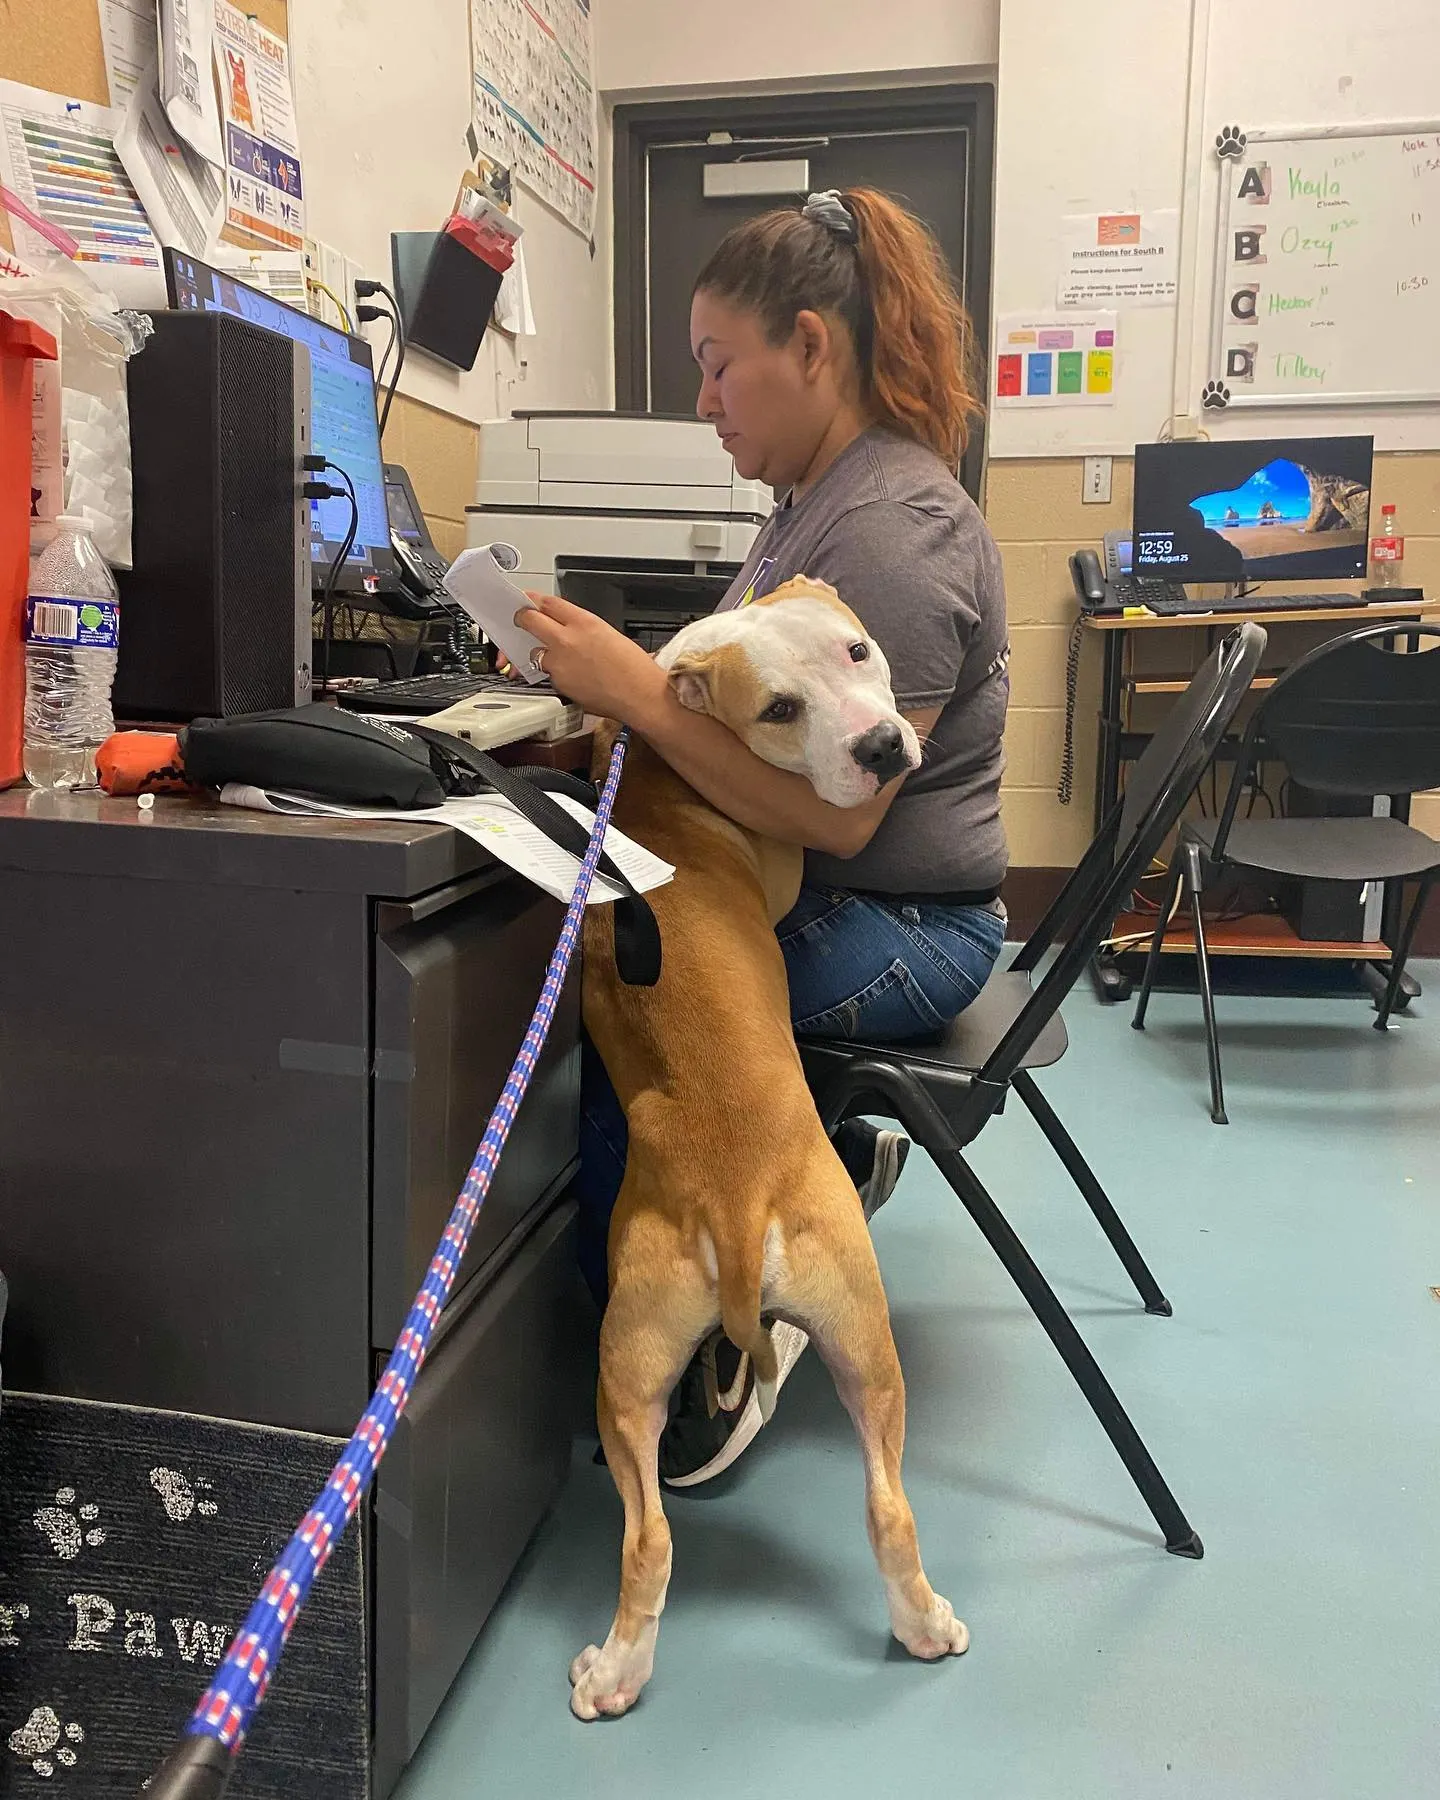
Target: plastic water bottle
column 1387, row 553
column 72, row 627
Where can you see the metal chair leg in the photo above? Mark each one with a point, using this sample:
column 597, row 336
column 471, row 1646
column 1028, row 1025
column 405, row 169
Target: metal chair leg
column 1095, row 1196
column 1181, row 1538
column 1152, row 959
column 904, row 1097
column 1194, row 877
column 1402, row 951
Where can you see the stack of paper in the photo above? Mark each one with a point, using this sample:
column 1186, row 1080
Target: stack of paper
column 496, row 825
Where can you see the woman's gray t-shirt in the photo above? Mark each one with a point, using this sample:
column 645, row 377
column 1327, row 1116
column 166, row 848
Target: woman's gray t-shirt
column 892, row 530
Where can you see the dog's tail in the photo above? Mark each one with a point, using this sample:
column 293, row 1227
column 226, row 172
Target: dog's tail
column 742, row 1269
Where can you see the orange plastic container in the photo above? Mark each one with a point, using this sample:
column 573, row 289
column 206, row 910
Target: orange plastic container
column 21, row 344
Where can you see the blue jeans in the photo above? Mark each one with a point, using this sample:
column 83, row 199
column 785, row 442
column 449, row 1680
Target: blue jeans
column 858, row 968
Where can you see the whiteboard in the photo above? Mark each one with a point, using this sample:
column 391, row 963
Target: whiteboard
column 1328, row 269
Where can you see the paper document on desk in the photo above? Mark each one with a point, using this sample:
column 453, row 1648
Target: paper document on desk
column 494, row 824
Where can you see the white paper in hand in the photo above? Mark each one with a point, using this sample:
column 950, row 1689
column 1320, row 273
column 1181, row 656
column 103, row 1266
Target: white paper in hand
column 475, row 580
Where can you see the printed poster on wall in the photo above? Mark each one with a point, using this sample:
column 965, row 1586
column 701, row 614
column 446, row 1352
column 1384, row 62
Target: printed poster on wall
column 1119, row 259
column 1055, row 359
column 263, row 193
column 534, row 98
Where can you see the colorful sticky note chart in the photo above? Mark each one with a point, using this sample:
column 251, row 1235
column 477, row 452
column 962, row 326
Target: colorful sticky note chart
column 1058, row 359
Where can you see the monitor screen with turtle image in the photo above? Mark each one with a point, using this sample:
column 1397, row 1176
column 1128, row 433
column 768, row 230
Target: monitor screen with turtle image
column 1263, row 509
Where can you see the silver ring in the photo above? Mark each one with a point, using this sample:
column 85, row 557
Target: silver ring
column 537, row 659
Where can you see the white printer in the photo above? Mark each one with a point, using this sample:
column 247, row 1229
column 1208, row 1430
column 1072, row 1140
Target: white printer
column 642, row 519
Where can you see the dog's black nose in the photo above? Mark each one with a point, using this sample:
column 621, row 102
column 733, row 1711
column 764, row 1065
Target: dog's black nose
column 881, row 750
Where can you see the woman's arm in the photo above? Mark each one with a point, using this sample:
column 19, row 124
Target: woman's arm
column 603, row 671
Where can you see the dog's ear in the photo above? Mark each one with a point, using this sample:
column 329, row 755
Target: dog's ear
column 692, row 678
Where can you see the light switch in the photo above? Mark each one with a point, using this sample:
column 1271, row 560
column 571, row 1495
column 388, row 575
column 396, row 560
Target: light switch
column 1096, row 488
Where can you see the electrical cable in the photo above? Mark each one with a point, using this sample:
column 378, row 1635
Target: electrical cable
column 334, row 299
column 366, row 289
column 324, row 490
column 1064, row 787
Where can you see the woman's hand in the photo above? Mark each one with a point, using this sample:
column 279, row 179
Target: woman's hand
column 592, row 663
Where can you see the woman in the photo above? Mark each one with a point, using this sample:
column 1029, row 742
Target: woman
column 835, row 362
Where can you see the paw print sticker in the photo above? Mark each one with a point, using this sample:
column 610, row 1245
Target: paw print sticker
column 44, row 1742
column 182, row 1498
column 1215, row 396
column 1229, row 142
column 70, row 1528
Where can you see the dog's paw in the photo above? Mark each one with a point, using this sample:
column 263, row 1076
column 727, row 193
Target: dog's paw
column 1229, row 142
column 934, row 1634
column 606, row 1683
column 1215, row 396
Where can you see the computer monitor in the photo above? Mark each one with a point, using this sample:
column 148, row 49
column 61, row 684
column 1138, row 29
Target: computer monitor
column 1261, row 509
column 343, row 423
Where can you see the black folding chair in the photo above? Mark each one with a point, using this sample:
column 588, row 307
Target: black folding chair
column 1351, row 718
column 944, row 1094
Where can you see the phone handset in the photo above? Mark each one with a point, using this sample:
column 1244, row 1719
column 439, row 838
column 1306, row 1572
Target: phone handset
column 1094, row 592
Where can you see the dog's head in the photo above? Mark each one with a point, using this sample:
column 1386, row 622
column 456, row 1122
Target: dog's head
column 797, row 678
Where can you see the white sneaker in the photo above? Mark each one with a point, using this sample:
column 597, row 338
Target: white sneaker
column 706, row 1435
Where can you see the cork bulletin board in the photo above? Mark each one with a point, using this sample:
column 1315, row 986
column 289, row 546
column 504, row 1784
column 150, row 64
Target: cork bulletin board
column 55, row 44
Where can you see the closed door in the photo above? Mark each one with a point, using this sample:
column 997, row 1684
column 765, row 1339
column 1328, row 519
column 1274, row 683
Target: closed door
column 925, row 168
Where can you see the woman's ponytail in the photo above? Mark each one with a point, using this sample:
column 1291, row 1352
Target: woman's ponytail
column 923, row 365
column 882, row 273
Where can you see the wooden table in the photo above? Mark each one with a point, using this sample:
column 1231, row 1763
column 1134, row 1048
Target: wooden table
column 1259, row 934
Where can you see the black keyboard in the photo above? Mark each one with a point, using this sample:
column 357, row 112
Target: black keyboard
column 1170, row 605
column 433, row 693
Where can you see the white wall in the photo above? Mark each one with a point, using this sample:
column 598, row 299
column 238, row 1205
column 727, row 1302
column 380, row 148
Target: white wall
column 739, row 45
column 383, row 94
column 1102, row 106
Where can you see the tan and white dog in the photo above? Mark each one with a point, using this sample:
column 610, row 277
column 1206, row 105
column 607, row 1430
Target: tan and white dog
column 734, row 1203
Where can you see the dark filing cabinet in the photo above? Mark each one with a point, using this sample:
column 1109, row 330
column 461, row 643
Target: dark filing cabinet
column 246, row 1061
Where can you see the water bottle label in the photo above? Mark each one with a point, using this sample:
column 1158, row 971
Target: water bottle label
column 77, row 624
column 1387, row 549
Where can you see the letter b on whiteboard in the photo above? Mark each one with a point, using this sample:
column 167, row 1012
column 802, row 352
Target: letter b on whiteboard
column 1247, row 245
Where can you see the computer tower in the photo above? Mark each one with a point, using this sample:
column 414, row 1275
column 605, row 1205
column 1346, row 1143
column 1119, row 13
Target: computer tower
column 215, row 614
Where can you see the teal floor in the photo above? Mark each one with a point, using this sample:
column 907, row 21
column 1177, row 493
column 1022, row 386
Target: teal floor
column 1293, row 1403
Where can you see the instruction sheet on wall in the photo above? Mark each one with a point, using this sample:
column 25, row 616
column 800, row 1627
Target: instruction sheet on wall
column 1119, row 259
column 534, row 98
column 58, row 157
column 1055, row 359
column 264, row 196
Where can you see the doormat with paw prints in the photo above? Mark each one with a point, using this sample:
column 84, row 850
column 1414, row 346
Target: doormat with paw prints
column 131, row 1546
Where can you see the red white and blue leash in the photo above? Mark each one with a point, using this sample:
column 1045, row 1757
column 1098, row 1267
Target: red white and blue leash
column 199, row 1766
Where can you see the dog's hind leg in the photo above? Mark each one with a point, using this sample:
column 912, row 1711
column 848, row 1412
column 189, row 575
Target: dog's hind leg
column 660, row 1307
column 838, row 1297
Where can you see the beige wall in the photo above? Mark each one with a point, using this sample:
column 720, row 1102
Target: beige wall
column 649, row 46
column 1035, row 512
column 442, row 455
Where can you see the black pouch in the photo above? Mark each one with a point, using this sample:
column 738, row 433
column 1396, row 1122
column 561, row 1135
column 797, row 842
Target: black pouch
column 322, row 753
column 317, row 751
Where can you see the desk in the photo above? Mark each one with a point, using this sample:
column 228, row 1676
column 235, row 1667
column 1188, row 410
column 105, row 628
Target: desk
column 246, row 1061
column 1262, row 935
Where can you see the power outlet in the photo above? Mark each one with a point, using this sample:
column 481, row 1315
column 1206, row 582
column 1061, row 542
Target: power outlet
column 1095, row 490
column 1184, row 428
